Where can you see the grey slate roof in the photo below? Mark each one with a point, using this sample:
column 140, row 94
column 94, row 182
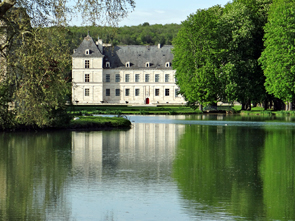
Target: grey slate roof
column 138, row 55
column 87, row 43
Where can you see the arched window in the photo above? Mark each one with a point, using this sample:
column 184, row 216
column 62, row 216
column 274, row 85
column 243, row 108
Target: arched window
column 87, row 52
column 167, row 64
column 147, row 64
column 127, row 64
column 108, row 64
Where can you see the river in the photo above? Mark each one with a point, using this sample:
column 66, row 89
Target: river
column 201, row 167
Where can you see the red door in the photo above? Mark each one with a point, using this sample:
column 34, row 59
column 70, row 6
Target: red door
column 147, row 100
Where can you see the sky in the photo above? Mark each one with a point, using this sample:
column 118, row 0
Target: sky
column 166, row 11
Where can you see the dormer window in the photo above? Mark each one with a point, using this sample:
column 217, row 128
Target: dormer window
column 108, row 64
column 167, row 64
column 147, row 64
column 127, row 64
column 87, row 51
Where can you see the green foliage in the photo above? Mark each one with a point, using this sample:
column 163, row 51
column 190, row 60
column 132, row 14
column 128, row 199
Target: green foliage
column 135, row 35
column 277, row 59
column 195, row 56
column 41, row 69
column 241, row 46
column 216, row 52
column 35, row 62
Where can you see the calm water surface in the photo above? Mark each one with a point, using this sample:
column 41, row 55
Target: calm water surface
column 204, row 167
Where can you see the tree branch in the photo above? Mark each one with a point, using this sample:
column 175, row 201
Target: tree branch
column 5, row 5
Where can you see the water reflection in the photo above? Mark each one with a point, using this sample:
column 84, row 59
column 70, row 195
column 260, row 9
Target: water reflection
column 147, row 147
column 155, row 171
column 243, row 171
column 33, row 174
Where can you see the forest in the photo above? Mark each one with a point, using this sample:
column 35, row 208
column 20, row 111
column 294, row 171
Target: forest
column 143, row 34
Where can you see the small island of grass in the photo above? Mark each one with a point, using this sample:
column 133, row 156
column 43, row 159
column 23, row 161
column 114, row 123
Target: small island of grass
column 99, row 123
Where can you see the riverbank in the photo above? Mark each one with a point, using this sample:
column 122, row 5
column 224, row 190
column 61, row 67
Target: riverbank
column 85, row 123
column 131, row 110
column 167, row 110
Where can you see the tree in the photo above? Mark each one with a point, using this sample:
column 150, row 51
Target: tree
column 277, row 59
column 241, row 75
column 196, row 55
column 216, row 54
column 35, row 62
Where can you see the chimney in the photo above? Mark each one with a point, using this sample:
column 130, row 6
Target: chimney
column 99, row 45
column 159, row 45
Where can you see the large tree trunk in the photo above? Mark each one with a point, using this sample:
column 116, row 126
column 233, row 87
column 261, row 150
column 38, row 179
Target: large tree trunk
column 265, row 104
column 278, row 104
column 249, row 105
column 288, row 106
column 201, row 107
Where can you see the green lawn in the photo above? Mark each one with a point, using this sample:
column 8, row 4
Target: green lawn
column 124, row 109
column 100, row 122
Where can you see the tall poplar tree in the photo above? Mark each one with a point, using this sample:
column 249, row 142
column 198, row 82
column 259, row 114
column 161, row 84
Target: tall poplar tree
column 278, row 61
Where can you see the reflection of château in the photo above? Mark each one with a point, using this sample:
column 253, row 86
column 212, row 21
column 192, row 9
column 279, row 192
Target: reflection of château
column 145, row 147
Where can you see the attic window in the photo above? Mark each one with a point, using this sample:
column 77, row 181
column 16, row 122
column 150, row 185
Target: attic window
column 127, row 64
column 147, row 64
column 87, row 52
column 108, row 64
column 167, row 64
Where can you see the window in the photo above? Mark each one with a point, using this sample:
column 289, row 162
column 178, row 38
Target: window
column 86, row 77
column 117, row 77
column 86, row 91
column 117, row 92
column 167, row 64
column 108, row 78
column 136, row 77
column 127, row 76
column 176, row 92
column 157, row 77
column 108, row 92
column 157, row 92
column 166, row 92
column 87, row 52
column 86, row 63
column 147, row 78
column 108, row 64
column 127, row 64
column 137, row 92
column 127, row 92
column 166, row 77
column 147, row 64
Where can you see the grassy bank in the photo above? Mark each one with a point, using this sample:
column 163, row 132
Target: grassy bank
column 99, row 123
column 124, row 109
column 80, row 123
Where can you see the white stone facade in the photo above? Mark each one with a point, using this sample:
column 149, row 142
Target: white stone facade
column 123, row 75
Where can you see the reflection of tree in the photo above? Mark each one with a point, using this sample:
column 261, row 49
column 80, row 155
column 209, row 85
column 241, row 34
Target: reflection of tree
column 277, row 172
column 218, row 166
column 33, row 172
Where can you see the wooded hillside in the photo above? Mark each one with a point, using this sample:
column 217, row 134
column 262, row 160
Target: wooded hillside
column 144, row 34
